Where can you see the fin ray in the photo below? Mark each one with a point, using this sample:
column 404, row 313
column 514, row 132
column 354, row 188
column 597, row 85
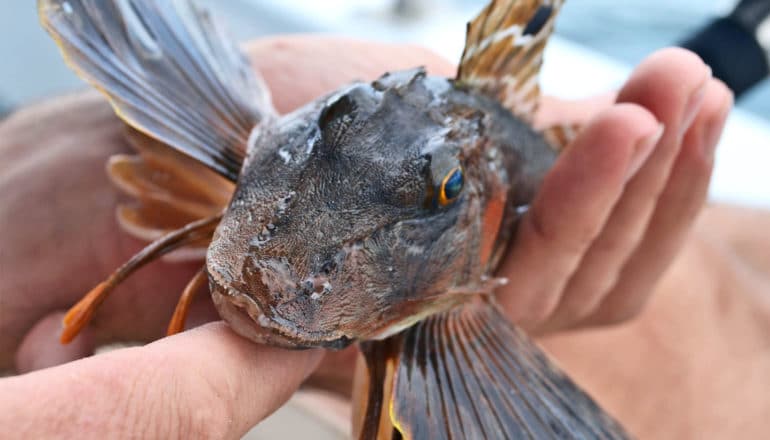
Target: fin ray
column 467, row 373
column 504, row 52
column 561, row 135
column 168, row 70
column 169, row 188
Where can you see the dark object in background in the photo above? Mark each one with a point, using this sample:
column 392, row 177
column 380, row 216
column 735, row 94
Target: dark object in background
column 5, row 109
column 734, row 48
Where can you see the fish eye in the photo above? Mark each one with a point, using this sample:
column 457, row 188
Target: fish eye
column 451, row 186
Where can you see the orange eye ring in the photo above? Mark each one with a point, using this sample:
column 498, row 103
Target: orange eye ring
column 451, row 186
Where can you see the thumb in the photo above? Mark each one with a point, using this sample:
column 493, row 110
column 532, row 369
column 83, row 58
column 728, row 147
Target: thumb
column 204, row 383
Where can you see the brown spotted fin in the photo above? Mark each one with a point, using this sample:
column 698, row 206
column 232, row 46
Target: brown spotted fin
column 469, row 374
column 504, row 52
column 168, row 70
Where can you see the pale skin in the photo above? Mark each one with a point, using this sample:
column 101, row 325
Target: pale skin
column 607, row 225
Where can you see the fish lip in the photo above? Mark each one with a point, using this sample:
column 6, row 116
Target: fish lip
column 245, row 317
column 239, row 312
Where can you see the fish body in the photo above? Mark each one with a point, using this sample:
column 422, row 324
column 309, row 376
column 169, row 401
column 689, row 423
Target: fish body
column 336, row 231
column 376, row 214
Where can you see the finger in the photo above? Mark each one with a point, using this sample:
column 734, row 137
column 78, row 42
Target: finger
column 300, row 68
column 574, row 200
column 40, row 348
column 556, row 111
column 675, row 212
column 657, row 86
column 65, row 238
column 205, row 383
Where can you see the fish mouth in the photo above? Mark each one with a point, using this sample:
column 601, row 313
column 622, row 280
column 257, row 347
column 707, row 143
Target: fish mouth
column 246, row 318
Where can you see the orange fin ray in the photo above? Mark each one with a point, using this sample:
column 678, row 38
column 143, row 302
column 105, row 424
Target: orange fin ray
column 134, row 177
column 176, row 325
column 81, row 313
column 169, row 189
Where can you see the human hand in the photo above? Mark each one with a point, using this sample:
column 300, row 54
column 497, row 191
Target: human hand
column 696, row 362
column 613, row 212
column 204, row 383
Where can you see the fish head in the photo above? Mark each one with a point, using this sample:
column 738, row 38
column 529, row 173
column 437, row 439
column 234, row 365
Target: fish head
column 354, row 216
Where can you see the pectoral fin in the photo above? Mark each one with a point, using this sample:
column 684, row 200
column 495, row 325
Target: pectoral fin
column 504, row 52
column 468, row 374
column 169, row 189
column 168, row 70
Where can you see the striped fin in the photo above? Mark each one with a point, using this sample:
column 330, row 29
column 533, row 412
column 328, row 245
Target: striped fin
column 168, row 188
column 168, row 70
column 504, row 52
column 468, row 374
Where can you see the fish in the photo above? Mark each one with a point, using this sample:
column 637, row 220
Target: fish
column 375, row 215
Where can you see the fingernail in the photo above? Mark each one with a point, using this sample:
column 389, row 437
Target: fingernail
column 643, row 149
column 714, row 130
column 694, row 103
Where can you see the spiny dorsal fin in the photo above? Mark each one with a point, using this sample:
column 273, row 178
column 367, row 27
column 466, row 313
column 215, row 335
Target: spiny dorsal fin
column 468, row 373
column 504, row 52
column 561, row 135
column 169, row 71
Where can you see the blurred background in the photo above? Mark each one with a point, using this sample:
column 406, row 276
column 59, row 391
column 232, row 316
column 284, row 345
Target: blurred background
column 598, row 41
column 625, row 31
